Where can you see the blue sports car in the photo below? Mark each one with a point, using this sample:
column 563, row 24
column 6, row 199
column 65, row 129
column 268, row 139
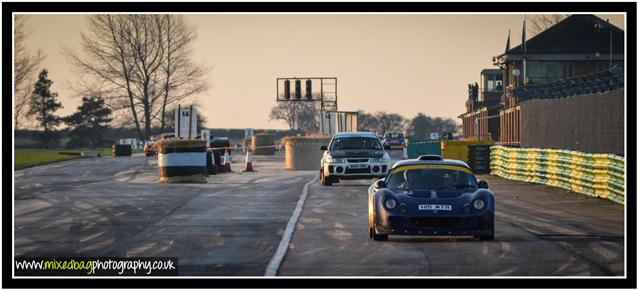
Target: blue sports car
column 430, row 196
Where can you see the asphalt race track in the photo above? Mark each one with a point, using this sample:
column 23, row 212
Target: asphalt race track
column 232, row 226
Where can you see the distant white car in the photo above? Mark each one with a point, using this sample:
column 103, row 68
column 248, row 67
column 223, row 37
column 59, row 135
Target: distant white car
column 353, row 155
column 150, row 149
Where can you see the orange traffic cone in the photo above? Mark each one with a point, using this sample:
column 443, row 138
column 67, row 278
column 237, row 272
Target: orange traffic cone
column 405, row 154
column 249, row 162
column 227, row 161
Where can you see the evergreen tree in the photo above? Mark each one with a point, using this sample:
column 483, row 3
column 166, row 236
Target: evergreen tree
column 89, row 123
column 43, row 106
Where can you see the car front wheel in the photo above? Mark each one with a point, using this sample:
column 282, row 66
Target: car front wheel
column 377, row 237
column 324, row 179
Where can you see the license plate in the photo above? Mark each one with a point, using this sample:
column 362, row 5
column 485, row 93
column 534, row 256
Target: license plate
column 362, row 165
column 435, row 207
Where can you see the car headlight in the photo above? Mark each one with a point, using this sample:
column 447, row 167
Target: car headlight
column 329, row 159
column 478, row 204
column 384, row 159
column 390, row 203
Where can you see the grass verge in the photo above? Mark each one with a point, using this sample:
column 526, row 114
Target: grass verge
column 25, row 158
column 30, row 158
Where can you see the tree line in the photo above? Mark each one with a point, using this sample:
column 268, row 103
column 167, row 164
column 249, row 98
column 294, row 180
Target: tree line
column 138, row 67
column 305, row 116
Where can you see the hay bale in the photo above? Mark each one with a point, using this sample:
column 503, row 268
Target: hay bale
column 196, row 178
column 304, row 153
column 263, row 144
column 174, row 145
column 122, row 150
column 182, row 161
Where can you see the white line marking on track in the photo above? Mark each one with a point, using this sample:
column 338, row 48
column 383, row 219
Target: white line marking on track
column 275, row 261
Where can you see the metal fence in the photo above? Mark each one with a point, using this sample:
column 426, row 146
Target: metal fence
column 599, row 82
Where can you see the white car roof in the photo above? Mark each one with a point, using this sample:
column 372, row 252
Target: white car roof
column 354, row 134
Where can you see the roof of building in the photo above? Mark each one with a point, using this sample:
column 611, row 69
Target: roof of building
column 576, row 34
column 492, row 71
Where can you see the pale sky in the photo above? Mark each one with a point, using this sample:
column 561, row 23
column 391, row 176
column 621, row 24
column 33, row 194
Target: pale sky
column 401, row 63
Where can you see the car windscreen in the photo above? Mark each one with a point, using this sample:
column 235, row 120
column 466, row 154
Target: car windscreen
column 418, row 177
column 353, row 143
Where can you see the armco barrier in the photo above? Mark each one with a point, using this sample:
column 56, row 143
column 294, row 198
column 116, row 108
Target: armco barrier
column 597, row 175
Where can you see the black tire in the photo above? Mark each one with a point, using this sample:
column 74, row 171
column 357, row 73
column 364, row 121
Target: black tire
column 324, row 179
column 486, row 237
column 377, row 237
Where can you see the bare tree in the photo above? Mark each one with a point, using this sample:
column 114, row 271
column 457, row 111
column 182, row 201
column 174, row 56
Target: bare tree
column 183, row 78
column 390, row 121
column 130, row 56
column 299, row 115
column 25, row 64
column 540, row 22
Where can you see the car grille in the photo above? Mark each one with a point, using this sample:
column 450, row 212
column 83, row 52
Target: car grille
column 357, row 160
column 428, row 222
column 440, row 222
column 357, row 170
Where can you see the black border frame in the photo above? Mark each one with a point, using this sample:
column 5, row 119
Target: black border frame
column 600, row 7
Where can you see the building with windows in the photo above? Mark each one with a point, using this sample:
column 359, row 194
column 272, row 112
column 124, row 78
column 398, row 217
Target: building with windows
column 577, row 46
column 581, row 55
column 484, row 100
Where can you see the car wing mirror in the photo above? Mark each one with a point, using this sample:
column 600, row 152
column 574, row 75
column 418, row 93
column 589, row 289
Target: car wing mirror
column 379, row 184
column 324, row 148
column 387, row 147
column 483, row 184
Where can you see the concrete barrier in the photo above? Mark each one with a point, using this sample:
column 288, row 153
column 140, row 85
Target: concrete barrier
column 182, row 161
column 303, row 153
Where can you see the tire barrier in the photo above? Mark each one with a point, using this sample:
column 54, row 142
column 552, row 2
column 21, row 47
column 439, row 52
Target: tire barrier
column 211, row 166
column 182, row 161
column 263, row 144
column 479, row 158
column 596, row 175
column 303, row 153
column 122, row 150
column 217, row 158
column 458, row 149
